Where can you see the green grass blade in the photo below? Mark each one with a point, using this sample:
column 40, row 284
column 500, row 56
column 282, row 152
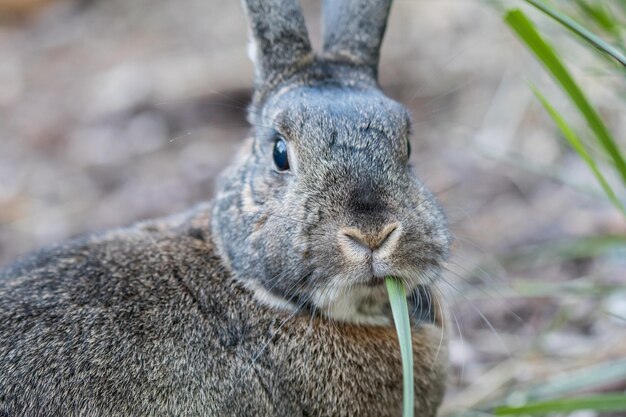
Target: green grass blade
column 581, row 31
column 557, row 251
column 525, row 29
column 600, row 15
column 577, row 144
column 400, row 310
column 589, row 378
column 608, row 402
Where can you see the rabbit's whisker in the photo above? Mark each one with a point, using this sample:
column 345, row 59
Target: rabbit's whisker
column 284, row 274
column 458, row 326
column 480, row 313
column 483, row 290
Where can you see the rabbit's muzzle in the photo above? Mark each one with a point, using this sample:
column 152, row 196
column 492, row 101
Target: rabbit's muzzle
column 371, row 249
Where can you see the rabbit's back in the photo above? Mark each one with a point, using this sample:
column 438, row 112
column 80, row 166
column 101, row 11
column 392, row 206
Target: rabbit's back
column 147, row 321
column 117, row 324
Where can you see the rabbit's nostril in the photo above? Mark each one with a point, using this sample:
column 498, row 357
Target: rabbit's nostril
column 386, row 234
column 358, row 238
column 370, row 242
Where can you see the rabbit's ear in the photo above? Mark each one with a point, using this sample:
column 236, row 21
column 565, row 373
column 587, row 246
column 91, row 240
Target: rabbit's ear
column 279, row 39
column 354, row 30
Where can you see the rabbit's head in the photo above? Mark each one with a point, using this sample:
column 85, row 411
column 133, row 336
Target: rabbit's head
column 322, row 203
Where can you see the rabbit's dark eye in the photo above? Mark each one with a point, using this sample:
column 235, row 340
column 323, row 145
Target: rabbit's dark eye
column 408, row 149
column 280, row 155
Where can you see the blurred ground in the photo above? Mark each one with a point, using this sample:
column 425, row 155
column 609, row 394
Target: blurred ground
column 118, row 110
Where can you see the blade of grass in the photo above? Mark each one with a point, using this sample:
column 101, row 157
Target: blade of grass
column 608, row 402
column 563, row 250
column 600, row 15
column 589, row 378
column 581, row 31
column 400, row 310
column 577, row 144
column 525, row 29
column 528, row 288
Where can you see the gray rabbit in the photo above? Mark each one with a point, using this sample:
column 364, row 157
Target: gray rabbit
column 269, row 300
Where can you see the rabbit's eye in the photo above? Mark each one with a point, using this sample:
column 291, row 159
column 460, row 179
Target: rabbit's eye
column 408, row 148
column 280, row 155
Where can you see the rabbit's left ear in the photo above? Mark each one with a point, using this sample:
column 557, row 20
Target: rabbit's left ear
column 354, row 30
column 279, row 39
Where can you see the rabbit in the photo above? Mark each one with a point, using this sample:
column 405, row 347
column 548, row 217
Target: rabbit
column 268, row 300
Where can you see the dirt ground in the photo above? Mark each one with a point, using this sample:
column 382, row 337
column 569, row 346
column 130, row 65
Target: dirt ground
column 118, row 110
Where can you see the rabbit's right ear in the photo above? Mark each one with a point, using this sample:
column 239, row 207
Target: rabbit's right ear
column 354, row 30
column 279, row 39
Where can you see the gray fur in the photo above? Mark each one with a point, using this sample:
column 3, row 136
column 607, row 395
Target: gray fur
column 354, row 30
column 230, row 309
column 279, row 37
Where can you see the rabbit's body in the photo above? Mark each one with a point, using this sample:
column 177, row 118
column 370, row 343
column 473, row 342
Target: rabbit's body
column 146, row 321
column 269, row 301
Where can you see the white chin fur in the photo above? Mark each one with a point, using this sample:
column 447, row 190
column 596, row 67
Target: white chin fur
column 358, row 304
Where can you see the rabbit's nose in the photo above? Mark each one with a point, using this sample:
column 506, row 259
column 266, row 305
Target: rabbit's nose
column 385, row 240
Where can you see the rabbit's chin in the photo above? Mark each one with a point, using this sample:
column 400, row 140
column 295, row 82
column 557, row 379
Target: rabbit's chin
column 360, row 304
column 365, row 302
column 362, row 298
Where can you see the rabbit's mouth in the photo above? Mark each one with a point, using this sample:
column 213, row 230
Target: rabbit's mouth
column 362, row 304
column 369, row 305
column 374, row 282
column 365, row 301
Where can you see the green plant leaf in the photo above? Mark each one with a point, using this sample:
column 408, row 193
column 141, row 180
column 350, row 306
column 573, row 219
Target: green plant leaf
column 400, row 310
column 600, row 15
column 525, row 29
column 588, row 378
column 608, row 402
column 577, row 144
column 581, row 31
column 565, row 249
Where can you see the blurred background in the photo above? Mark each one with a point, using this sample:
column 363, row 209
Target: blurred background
column 119, row 110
